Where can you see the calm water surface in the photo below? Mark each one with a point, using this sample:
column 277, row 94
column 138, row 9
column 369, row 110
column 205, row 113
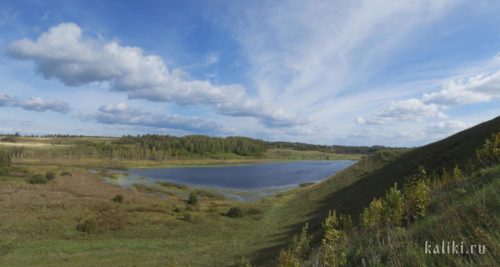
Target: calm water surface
column 247, row 177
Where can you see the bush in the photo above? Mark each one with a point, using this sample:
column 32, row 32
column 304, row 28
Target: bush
column 417, row 197
column 334, row 241
column 50, row 175
column 235, row 212
column 393, row 206
column 66, row 173
column 118, row 198
column 88, row 226
column 38, row 179
column 301, row 244
column 4, row 171
column 372, row 215
column 193, row 198
column 106, row 218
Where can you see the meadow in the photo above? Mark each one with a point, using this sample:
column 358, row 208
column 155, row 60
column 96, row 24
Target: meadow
column 70, row 216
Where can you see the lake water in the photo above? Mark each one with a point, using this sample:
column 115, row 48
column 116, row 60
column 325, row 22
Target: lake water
column 247, row 177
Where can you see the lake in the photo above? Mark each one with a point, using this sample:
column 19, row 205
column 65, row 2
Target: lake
column 247, row 177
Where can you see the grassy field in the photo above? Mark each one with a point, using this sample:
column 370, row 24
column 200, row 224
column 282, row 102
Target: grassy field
column 40, row 223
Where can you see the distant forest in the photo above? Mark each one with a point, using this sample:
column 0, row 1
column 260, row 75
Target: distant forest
column 161, row 147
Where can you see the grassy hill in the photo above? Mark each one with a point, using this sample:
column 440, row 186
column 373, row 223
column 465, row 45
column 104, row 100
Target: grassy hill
column 350, row 191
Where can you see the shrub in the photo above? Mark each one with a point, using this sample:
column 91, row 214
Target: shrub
column 301, row 244
column 489, row 153
column 193, row 198
column 88, row 226
column 38, row 179
column 50, row 175
column 393, row 206
column 235, row 212
column 416, row 199
column 118, row 198
column 66, row 173
column 372, row 215
column 4, row 171
column 334, row 241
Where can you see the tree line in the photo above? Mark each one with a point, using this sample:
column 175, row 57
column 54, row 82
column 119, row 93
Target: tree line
column 162, row 147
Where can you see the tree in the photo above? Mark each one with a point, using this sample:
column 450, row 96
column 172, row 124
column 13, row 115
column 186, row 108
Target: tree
column 372, row 215
column 393, row 207
column 417, row 196
column 334, row 241
column 489, row 153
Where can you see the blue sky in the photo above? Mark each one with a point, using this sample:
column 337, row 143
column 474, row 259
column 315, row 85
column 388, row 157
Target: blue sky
column 326, row 72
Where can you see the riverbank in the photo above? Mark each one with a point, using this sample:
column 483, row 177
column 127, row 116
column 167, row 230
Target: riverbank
column 271, row 157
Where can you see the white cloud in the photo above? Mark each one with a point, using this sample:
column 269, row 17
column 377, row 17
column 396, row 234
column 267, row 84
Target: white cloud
column 65, row 54
column 122, row 114
column 41, row 105
column 476, row 88
column 34, row 104
column 411, row 109
column 447, row 127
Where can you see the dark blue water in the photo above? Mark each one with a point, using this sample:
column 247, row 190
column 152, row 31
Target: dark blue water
column 248, row 177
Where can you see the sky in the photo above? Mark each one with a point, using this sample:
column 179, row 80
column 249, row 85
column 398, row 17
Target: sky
column 395, row 73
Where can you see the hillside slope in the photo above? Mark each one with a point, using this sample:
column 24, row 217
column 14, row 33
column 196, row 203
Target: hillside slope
column 353, row 189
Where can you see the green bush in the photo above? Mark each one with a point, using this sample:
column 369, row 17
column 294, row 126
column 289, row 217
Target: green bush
column 235, row 212
column 335, row 238
column 50, row 175
column 4, row 171
column 88, row 226
column 193, row 198
column 393, row 206
column 118, row 198
column 38, row 179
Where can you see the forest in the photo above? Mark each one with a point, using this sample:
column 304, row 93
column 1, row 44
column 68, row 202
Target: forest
column 162, row 147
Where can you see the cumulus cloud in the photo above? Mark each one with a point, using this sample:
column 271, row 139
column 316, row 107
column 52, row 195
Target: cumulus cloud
column 474, row 89
column 411, row 109
column 448, row 127
column 122, row 114
column 35, row 104
column 41, row 105
column 65, row 54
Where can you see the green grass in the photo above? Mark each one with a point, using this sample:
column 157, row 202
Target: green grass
column 38, row 222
